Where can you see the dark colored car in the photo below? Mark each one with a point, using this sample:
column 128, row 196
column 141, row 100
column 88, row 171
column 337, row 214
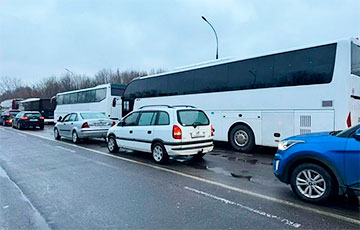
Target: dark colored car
column 28, row 119
column 7, row 117
column 320, row 165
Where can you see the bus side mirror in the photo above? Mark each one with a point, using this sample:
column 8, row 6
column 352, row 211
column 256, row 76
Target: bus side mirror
column 114, row 102
column 357, row 135
column 59, row 119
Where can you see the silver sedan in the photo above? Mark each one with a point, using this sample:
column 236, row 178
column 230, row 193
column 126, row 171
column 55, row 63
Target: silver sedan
column 80, row 125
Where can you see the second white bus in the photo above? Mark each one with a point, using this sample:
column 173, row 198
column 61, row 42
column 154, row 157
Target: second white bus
column 102, row 98
column 261, row 100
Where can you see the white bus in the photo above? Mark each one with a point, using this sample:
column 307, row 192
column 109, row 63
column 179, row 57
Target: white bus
column 102, row 98
column 263, row 99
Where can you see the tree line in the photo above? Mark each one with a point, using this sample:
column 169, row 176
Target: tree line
column 50, row 86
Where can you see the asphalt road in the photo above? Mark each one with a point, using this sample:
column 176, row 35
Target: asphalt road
column 54, row 184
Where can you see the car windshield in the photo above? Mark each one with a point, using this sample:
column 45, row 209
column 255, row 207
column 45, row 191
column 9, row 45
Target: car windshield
column 347, row 132
column 192, row 118
column 32, row 115
column 92, row 115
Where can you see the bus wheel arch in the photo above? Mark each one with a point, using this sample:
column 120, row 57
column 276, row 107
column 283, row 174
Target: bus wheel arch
column 241, row 137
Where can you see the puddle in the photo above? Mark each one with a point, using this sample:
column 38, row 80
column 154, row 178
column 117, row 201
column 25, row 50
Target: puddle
column 241, row 176
column 251, row 161
column 232, row 158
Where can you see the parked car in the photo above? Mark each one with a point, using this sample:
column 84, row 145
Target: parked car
column 80, row 125
column 7, row 116
column 164, row 131
column 28, row 119
column 320, row 165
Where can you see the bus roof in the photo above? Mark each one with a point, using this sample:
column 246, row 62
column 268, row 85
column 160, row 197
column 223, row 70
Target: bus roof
column 116, row 86
column 230, row 60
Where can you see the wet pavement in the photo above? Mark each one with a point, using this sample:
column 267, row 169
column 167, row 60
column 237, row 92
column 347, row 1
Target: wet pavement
column 249, row 172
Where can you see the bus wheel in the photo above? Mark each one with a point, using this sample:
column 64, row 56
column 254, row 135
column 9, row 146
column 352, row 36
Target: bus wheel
column 242, row 138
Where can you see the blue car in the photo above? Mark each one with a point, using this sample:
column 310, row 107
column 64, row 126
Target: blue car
column 320, row 165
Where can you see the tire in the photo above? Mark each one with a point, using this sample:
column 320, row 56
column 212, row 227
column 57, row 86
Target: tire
column 198, row 156
column 159, row 153
column 56, row 134
column 242, row 138
column 4, row 123
column 307, row 189
column 75, row 138
column 112, row 145
column 42, row 127
column 19, row 126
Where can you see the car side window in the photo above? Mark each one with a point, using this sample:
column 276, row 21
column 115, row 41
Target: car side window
column 163, row 118
column 66, row 118
column 72, row 117
column 147, row 118
column 131, row 120
column 19, row 115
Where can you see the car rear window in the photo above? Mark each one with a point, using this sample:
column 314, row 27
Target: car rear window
column 14, row 113
column 92, row 115
column 32, row 115
column 192, row 118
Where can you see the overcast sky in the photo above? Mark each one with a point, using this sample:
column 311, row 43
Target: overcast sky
column 42, row 38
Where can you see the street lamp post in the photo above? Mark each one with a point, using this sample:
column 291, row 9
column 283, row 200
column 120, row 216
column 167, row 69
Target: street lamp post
column 70, row 72
column 217, row 42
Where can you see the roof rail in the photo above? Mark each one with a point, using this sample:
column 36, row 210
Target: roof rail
column 186, row 106
column 145, row 106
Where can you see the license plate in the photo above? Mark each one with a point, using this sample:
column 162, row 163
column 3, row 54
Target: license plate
column 197, row 134
column 33, row 119
column 100, row 124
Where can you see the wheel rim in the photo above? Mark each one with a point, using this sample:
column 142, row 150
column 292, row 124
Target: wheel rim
column 56, row 134
column 241, row 138
column 111, row 144
column 310, row 184
column 158, row 153
column 74, row 137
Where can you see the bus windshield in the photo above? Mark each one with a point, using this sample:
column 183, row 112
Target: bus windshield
column 355, row 59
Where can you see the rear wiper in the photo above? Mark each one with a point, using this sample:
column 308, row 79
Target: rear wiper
column 195, row 124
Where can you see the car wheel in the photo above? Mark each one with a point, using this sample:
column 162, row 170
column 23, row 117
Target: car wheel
column 19, row 125
column 198, row 156
column 112, row 145
column 75, row 137
column 311, row 182
column 159, row 154
column 42, row 127
column 242, row 138
column 56, row 134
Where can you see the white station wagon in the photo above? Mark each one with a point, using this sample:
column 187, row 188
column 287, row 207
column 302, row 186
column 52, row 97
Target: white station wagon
column 164, row 131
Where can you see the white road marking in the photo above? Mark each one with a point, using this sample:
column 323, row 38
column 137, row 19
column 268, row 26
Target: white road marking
column 247, row 192
column 253, row 210
column 66, row 149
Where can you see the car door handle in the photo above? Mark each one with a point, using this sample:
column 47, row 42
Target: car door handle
column 130, row 131
column 149, row 131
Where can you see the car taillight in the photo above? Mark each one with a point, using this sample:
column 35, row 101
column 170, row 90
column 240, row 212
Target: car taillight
column 114, row 123
column 212, row 131
column 348, row 120
column 41, row 118
column 85, row 125
column 24, row 118
column 177, row 134
column 6, row 121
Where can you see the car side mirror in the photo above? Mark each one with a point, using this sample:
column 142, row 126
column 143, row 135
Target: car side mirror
column 357, row 135
column 59, row 119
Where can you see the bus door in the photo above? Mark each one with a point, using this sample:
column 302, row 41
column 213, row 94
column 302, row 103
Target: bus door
column 116, row 108
column 127, row 106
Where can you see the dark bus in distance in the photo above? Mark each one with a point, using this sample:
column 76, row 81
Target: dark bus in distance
column 45, row 106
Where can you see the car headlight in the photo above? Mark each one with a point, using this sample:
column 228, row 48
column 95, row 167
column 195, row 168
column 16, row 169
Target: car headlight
column 284, row 145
